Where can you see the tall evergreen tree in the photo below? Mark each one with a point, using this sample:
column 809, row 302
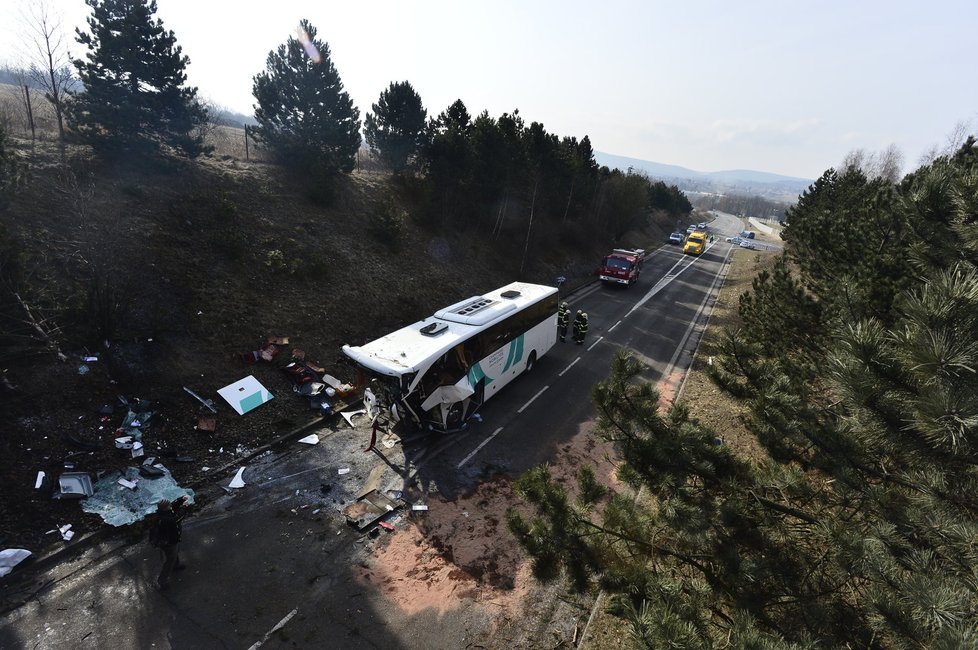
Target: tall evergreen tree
column 303, row 113
column 397, row 129
column 448, row 159
column 848, row 237
column 669, row 198
column 134, row 98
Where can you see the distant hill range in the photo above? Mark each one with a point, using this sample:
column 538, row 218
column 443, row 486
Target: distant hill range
column 736, row 181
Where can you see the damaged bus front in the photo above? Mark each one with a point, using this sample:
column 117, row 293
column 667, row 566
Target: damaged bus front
column 436, row 373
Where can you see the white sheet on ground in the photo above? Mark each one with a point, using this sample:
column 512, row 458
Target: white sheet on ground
column 245, row 394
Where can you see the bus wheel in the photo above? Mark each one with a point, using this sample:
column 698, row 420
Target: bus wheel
column 530, row 360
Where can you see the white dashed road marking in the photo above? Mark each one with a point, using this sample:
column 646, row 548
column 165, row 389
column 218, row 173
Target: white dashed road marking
column 561, row 374
column 476, row 450
column 523, row 408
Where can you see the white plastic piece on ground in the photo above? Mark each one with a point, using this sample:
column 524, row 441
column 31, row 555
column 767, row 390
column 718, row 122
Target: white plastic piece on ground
column 11, row 557
column 311, row 439
column 349, row 415
column 137, row 449
column 40, row 480
column 331, row 381
column 419, row 506
column 343, row 470
column 237, row 481
column 126, row 483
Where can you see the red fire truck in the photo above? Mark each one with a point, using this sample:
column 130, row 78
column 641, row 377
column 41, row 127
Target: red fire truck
column 622, row 266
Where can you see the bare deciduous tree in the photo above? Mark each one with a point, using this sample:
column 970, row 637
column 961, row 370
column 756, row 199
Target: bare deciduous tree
column 49, row 63
column 217, row 116
column 952, row 142
column 886, row 164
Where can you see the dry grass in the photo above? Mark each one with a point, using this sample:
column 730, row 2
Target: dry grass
column 710, row 405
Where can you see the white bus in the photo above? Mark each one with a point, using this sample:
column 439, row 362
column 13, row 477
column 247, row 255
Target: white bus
column 437, row 372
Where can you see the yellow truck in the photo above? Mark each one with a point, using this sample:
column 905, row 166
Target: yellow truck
column 695, row 243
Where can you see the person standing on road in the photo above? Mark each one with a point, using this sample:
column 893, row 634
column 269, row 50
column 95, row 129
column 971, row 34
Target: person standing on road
column 580, row 327
column 166, row 536
column 563, row 320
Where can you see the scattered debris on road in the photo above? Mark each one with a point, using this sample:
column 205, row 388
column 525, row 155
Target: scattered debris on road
column 74, row 485
column 119, row 506
column 208, row 403
column 369, row 509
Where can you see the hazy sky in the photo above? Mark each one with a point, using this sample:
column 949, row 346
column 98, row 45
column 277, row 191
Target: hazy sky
column 785, row 87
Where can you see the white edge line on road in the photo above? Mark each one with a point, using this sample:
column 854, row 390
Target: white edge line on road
column 720, row 278
column 665, row 280
column 595, row 343
column 615, row 325
column 476, row 450
column 523, row 408
column 561, row 374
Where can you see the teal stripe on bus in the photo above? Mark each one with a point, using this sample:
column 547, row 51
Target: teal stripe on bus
column 515, row 352
column 476, row 375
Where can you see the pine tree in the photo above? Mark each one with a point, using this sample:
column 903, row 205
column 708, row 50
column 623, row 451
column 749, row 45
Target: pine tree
column 447, row 160
column 303, row 113
column 134, row 98
column 397, row 129
column 849, row 239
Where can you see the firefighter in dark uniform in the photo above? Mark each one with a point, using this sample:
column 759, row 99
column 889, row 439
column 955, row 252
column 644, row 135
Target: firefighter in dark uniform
column 580, row 327
column 563, row 320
